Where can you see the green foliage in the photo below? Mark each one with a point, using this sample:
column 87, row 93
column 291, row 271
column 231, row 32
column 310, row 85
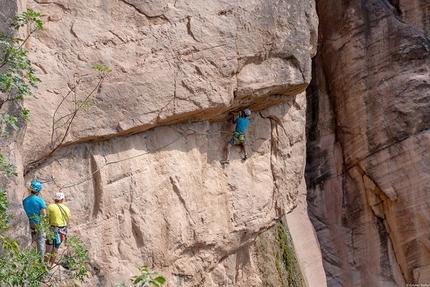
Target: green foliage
column 5, row 218
column 7, row 169
column 17, row 267
column 102, row 68
column 8, row 244
column 61, row 125
column 10, row 121
column 20, row 268
column 84, row 105
column 45, row 227
column 18, row 75
column 286, row 259
column 145, row 279
column 25, row 114
column 24, row 267
column 75, row 258
column 28, row 17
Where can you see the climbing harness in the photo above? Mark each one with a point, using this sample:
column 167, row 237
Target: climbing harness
column 239, row 138
column 33, row 216
column 60, row 233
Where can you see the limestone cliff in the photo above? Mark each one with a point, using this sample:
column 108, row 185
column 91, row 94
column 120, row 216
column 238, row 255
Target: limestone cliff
column 368, row 162
column 140, row 167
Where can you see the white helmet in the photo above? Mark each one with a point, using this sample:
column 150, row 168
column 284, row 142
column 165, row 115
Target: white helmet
column 247, row 112
column 59, row 196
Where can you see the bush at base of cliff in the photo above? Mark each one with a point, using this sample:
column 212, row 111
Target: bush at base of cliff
column 25, row 267
column 145, row 279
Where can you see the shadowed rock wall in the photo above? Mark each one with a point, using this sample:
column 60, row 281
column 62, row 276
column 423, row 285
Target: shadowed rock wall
column 368, row 162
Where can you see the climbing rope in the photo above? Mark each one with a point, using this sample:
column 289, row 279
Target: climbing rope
column 43, row 180
column 183, row 134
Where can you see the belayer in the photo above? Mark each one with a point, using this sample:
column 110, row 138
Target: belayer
column 35, row 207
column 59, row 216
column 239, row 135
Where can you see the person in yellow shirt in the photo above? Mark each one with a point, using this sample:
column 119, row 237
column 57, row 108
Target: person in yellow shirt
column 58, row 216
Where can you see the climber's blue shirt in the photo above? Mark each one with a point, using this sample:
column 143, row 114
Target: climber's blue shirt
column 32, row 206
column 241, row 124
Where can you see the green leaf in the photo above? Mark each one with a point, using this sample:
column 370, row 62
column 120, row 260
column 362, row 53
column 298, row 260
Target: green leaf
column 84, row 105
column 25, row 114
column 160, row 279
column 102, row 68
column 5, row 218
column 9, row 121
column 9, row 170
column 144, row 279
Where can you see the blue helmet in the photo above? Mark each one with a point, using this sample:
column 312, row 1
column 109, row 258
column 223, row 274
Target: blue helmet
column 35, row 186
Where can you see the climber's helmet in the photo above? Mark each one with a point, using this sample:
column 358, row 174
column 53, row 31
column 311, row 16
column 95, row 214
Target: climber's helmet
column 35, row 187
column 247, row 112
column 59, row 196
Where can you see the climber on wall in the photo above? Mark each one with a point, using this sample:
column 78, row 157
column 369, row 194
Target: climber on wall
column 35, row 207
column 59, row 215
column 239, row 135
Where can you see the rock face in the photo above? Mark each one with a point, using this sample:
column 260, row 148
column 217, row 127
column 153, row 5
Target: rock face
column 368, row 161
column 140, row 165
column 172, row 62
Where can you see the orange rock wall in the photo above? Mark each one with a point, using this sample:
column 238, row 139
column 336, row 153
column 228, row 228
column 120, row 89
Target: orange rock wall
column 368, row 141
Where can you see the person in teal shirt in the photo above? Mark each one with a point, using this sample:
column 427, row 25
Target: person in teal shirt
column 239, row 135
column 35, row 207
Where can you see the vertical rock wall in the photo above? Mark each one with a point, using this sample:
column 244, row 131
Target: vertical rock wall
column 368, row 162
column 140, row 168
column 11, row 146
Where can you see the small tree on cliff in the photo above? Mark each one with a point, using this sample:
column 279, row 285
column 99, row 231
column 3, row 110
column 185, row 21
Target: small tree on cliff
column 24, row 267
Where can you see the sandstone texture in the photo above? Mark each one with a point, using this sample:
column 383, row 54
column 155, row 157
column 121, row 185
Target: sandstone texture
column 140, row 164
column 368, row 161
column 305, row 241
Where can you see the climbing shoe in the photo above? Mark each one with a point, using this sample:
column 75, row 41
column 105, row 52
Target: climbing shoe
column 225, row 161
column 245, row 157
